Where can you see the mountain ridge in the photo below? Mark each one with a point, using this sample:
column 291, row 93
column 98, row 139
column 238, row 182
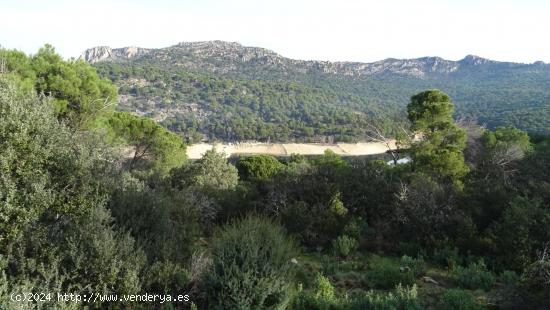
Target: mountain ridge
column 234, row 54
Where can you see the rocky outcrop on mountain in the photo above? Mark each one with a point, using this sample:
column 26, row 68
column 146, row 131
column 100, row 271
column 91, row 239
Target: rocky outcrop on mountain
column 222, row 57
column 105, row 53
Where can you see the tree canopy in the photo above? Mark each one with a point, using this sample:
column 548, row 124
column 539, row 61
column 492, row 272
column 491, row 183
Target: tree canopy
column 153, row 146
column 79, row 94
column 440, row 152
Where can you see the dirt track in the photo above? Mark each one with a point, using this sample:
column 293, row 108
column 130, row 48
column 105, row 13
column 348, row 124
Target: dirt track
column 196, row 151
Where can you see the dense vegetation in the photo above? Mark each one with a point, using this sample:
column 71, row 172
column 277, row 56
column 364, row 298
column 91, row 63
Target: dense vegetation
column 464, row 225
column 235, row 110
column 229, row 93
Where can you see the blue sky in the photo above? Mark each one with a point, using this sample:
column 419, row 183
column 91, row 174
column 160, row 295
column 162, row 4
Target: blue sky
column 344, row 30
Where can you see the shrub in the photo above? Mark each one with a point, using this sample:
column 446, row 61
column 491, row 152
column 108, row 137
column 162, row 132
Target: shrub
column 410, row 249
column 344, row 245
column 448, row 257
column 416, row 265
column 323, row 289
column 475, row 276
column 536, row 278
column 321, row 297
column 356, row 227
column 509, row 278
column 400, row 298
column 305, row 301
column 251, row 266
column 456, row 299
column 261, row 167
column 166, row 277
column 386, row 275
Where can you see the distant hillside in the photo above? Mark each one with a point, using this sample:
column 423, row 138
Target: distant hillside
column 324, row 96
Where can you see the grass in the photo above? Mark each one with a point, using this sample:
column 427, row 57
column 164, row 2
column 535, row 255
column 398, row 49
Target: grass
column 364, row 272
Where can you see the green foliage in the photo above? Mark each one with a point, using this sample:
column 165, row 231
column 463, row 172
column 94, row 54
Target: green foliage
column 330, row 163
column 239, row 110
column 251, row 266
column 78, row 93
column 211, row 174
column 56, row 235
column 522, row 227
column 430, row 111
column 344, row 245
column 455, row 299
column 355, row 228
column 416, row 265
column 439, row 153
column 72, row 219
column 166, row 277
column 386, row 274
column 447, row 257
column 425, row 209
column 307, row 200
column 164, row 222
column 503, row 137
column 475, row 276
column 46, row 169
column 153, row 147
column 99, row 258
column 321, row 297
column 260, row 167
column 400, row 298
column 336, row 205
column 509, row 278
column 265, row 97
column 323, row 289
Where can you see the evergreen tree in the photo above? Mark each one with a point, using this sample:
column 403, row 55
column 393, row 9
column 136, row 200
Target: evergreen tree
column 439, row 153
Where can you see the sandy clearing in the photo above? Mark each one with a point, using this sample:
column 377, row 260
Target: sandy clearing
column 196, row 151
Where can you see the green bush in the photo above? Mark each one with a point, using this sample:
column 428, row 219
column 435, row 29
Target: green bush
column 416, row 265
column 411, row 249
column 475, row 276
column 305, row 301
column 400, row 298
column 323, row 289
column 356, row 227
column 321, row 297
column 261, row 167
column 509, row 278
column 385, row 274
column 166, row 277
column 447, row 257
column 251, row 266
column 456, row 299
column 344, row 245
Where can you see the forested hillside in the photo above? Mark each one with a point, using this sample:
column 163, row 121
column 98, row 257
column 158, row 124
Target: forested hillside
column 496, row 93
column 219, row 108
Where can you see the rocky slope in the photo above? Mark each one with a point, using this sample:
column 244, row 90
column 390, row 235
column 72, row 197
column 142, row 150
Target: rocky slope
column 231, row 57
column 155, row 81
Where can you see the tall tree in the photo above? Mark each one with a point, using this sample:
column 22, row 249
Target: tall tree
column 79, row 93
column 439, row 153
column 154, row 147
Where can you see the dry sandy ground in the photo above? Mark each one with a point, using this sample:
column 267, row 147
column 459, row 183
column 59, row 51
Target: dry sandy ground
column 196, row 151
